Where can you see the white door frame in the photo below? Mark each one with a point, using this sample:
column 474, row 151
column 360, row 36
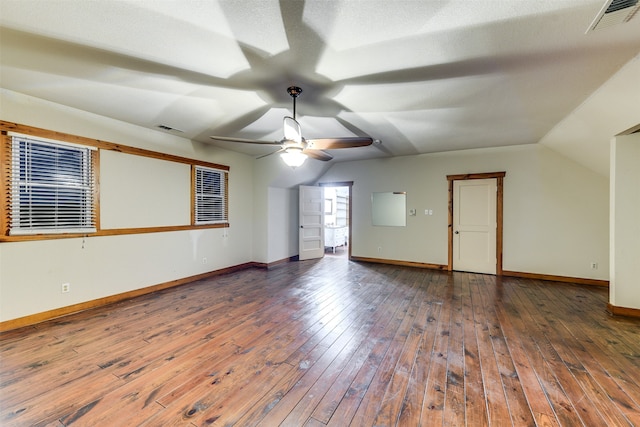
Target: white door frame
column 499, row 176
column 350, row 185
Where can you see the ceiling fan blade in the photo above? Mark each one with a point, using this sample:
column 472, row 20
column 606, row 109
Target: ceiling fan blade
column 291, row 129
column 317, row 154
column 269, row 154
column 334, row 143
column 243, row 140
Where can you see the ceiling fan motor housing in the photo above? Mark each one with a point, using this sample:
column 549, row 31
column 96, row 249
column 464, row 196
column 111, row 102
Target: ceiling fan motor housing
column 294, row 91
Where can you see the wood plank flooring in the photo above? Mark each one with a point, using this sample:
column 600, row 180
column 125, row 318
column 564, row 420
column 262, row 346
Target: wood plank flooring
column 331, row 343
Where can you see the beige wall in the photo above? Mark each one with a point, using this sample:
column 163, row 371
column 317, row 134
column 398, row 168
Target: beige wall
column 283, row 216
column 31, row 273
column 555, row 211
column 272, row 180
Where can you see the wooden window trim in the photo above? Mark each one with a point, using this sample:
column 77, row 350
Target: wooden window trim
column 104, row 145
column 53, row 227
column 5, row 181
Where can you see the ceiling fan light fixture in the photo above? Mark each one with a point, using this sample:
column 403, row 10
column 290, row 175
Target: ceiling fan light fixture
column 293, row 156
column 294, row 149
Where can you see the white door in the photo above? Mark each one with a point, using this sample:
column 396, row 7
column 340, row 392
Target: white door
column 311, row 233
column 474, row 225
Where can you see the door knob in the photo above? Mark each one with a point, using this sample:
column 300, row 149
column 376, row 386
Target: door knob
column 457, row 232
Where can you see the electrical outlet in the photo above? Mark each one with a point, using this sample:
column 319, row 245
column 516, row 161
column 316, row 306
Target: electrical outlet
column 594, row 265
column 379, row 249
column 66, row 287
column 204, row 260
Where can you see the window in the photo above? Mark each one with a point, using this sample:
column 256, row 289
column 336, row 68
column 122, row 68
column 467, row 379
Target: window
column 210, row 196
column 51, row 187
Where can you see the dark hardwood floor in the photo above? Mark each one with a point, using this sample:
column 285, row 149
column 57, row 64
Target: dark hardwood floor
column 336, row 343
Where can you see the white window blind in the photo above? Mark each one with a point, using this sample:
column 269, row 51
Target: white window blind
column 52, row 187
column 210, row 196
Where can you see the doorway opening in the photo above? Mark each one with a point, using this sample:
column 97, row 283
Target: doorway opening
column 337, row 219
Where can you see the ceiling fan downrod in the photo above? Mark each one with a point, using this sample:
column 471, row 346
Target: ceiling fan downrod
column 294, row 92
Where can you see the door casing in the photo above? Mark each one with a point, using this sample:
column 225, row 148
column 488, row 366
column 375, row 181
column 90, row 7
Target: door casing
column 350, row 185
column 499, row 196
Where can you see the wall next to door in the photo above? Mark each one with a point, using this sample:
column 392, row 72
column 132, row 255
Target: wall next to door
column 625, row 228
column 282, row 236
column 556, row 217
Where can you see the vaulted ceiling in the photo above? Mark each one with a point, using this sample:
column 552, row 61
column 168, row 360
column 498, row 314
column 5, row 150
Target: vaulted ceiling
column 418, row 76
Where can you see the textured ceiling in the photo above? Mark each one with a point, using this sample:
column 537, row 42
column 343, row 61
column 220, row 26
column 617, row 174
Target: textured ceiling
column 420, row 76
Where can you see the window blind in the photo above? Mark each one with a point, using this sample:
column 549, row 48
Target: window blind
column 52, row 187
column 210, row 196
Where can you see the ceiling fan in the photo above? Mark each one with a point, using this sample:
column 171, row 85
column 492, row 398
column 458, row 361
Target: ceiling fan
column 294, row 149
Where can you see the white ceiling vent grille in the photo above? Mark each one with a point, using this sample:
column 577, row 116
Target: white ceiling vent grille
column 170, row 129
column 614, row 12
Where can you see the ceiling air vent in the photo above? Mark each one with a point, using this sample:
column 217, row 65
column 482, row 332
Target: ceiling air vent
column 614, row 12
column 170, row 129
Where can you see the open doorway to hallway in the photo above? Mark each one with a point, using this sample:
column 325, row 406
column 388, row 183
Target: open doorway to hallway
column 337, row 221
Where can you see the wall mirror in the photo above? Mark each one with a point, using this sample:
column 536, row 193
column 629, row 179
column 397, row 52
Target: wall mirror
column 389, row 209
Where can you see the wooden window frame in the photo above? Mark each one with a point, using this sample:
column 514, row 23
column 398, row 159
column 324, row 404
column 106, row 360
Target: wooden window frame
column 5, row 182
column 29, row 149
